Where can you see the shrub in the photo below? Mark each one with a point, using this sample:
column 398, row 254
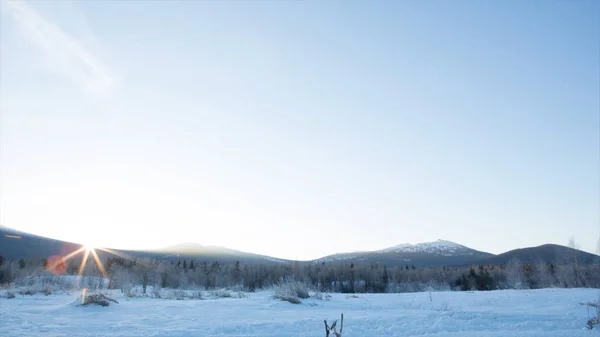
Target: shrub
column 132, row 291
column 301, row 290
column 47, row 290
column 319, row 296
column 129, row 291
column 221, row 293
column 295, row 288
column 156, row 292
column 177, row 294
column 291, row 291
column 224, row 293
column 196, row 294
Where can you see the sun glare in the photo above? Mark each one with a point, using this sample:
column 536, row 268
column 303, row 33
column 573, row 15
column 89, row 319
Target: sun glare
column 90, row 245
column 58, row 264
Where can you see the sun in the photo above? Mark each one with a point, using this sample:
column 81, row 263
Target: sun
column 89, row 246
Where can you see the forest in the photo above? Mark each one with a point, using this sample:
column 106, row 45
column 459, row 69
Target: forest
column 342, row 277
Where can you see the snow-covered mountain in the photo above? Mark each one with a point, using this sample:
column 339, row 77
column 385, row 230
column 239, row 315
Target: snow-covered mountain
column 426, row 254
column 438, row 247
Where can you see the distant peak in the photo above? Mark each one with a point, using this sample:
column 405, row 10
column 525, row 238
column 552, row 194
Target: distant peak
column 446, row 242
column 403, row 245
column 194, row 244
column 438, row 246
column 196, row 248
column 430, row 243
column 184, row 246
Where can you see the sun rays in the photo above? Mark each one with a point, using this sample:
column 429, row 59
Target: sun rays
column 99, row 263
column 116, row 253
column 58, row 264
column 84, row 260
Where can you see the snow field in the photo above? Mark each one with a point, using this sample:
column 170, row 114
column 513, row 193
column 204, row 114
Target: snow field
column 546, row 312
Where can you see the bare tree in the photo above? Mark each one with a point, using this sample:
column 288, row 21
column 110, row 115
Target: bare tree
column 576, row 270
column 514, row 274
column 572, row 243
column 542, row 275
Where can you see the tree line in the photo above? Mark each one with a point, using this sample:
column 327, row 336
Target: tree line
column 344, row 277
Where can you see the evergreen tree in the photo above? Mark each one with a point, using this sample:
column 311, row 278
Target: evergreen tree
column 237, row 273
column 144, row 281
column 552, row 270
column 385, row 278
column 184, row 265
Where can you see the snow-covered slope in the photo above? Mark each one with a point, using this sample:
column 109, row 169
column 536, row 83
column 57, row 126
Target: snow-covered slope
column 426, row 254
column 439, row 247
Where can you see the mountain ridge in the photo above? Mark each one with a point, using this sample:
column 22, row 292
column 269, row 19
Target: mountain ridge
column 425, row 254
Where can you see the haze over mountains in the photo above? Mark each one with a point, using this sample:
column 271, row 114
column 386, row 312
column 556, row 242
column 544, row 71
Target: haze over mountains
column 18, row 245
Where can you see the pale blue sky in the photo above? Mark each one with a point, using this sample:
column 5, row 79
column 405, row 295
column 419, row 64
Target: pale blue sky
column 302, row 128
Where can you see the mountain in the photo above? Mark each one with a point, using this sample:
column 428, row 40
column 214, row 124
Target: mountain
column 450, row 254
column 214, row 253
column 438, row 247
column 20, row 245
column 428, row 254
column 549, row 253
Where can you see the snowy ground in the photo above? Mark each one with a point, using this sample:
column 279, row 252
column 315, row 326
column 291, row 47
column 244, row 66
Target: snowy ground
column 544, row 313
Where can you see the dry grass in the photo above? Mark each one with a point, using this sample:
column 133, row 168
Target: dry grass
column 594, row 320
column 98, row 299
column 291, row 291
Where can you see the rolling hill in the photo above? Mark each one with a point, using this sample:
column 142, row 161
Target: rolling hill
column 549, row 253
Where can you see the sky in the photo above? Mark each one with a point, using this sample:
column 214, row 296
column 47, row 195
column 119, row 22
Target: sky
column 299, row 129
